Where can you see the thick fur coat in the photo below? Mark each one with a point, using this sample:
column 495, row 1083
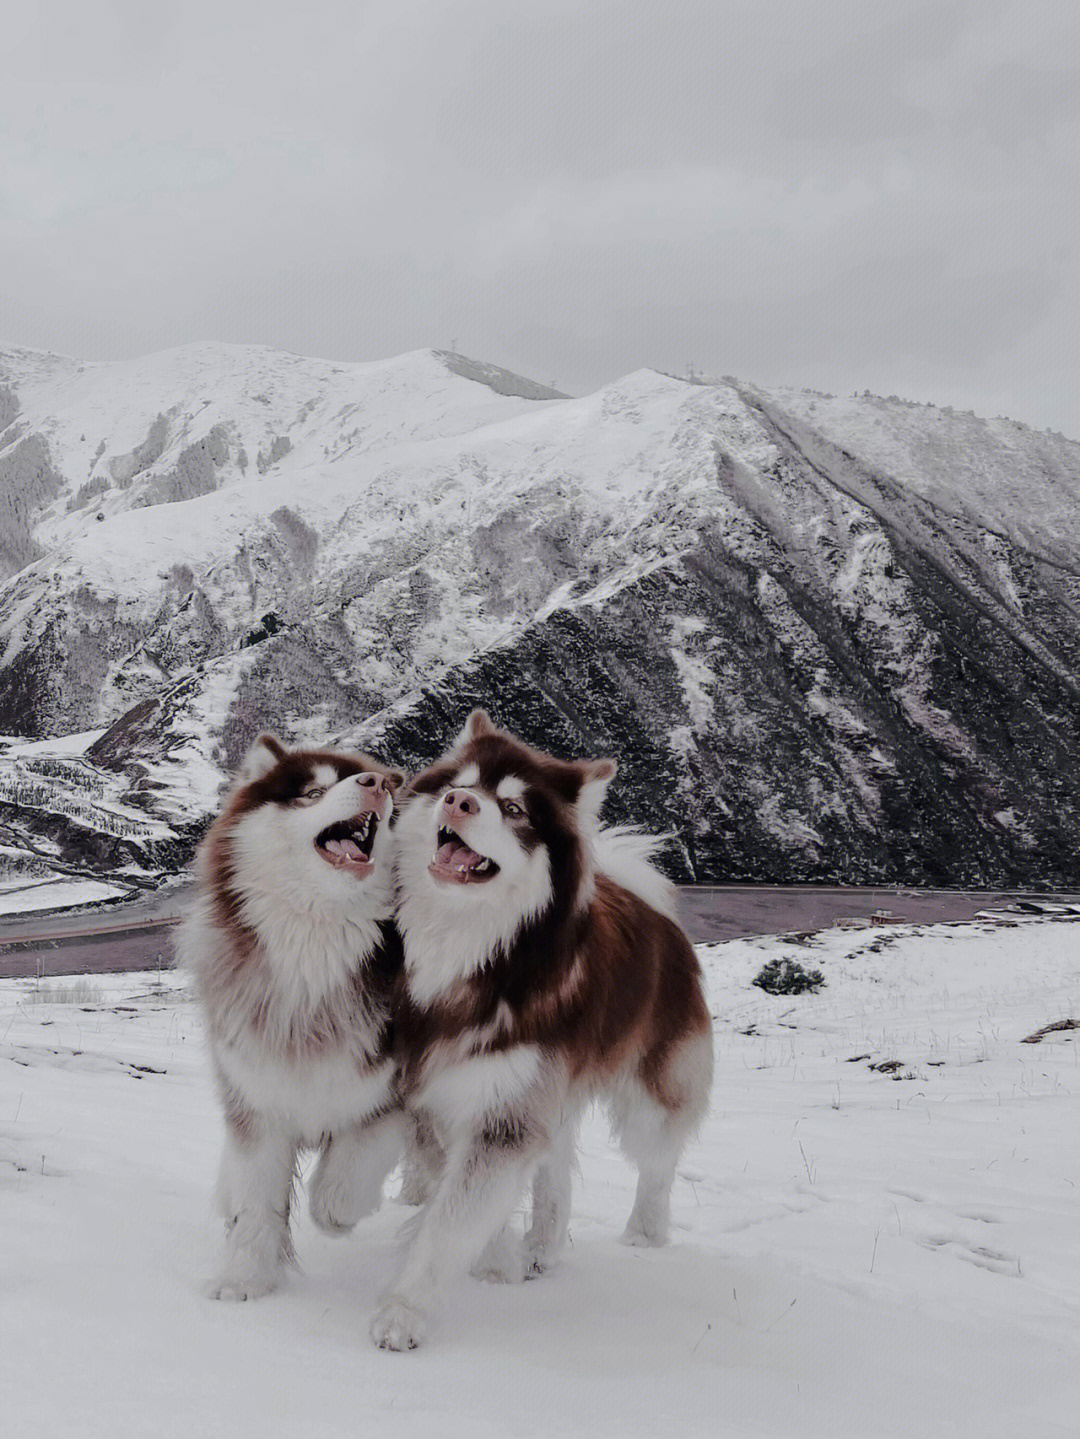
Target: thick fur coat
column 542, row 967
column 291, row 943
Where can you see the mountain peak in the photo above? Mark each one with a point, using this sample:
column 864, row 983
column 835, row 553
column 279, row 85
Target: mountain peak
column 503, row 382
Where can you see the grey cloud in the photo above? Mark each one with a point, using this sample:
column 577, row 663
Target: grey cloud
column 822, row 193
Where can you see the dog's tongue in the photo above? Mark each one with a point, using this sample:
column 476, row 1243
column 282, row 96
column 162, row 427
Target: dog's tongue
column 346, row 849
column 453, row 852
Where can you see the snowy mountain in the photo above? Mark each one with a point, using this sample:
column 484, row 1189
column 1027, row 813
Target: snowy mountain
column 825, row 638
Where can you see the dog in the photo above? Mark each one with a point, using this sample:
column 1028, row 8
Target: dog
column 543, row 966
column 294, row 958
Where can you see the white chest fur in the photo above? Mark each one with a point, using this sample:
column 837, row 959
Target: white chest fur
column 312, row 1096
column 462, row 1093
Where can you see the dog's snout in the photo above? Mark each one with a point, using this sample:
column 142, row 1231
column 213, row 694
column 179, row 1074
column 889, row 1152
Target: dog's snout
column 370, row 780
column 459, row 802
column 375, row 792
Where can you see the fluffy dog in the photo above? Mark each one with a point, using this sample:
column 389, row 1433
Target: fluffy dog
column 542, row 966
column 294, row 957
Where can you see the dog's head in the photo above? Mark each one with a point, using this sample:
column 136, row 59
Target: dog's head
column 310, row 826
column 499, row 828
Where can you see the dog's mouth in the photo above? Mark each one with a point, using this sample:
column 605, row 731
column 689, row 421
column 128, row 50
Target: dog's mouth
column 348, row 843
column 455, row 861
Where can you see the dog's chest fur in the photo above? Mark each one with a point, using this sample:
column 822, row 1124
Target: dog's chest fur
column 462, row 1091
column 299, row 1027
column 313, row 1094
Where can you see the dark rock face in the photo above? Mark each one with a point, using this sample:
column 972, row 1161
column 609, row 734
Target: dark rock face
column 9, row 406
column 503, row 382
column 86, row 851
column 26, row 680
column 195, row 473
column 278, row 449
column 773, row 799
column 822, row 757
column 126, row 468
column 27, row 480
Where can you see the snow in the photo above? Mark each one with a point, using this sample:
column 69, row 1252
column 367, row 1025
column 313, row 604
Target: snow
column 54, row 894
column 423, row 462
column 424, row 457
column 695, row 675
column 856, row 1254
column 49, row 778
column 998, row 473
column 71, row 745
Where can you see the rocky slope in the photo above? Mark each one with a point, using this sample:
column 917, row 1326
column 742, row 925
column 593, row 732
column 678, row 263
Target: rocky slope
column 826, row 639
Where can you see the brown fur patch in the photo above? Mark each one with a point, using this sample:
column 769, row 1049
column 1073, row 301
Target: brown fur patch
column 240, row 980
column 600, row 978
column 283, row 785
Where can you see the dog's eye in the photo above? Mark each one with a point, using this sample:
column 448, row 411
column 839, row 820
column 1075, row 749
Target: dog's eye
column 316, row 791
column 512, row 809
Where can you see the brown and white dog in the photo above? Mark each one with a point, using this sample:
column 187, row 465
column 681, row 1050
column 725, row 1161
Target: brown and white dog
column 294, row 957
column 542, row 967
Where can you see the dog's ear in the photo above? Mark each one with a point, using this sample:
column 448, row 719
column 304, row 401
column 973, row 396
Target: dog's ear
column 477, row 725
column 596, row 775
column 264, row 754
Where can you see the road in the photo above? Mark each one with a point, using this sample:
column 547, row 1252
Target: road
column 716, row 912
column 113, row 938
column 140, row 935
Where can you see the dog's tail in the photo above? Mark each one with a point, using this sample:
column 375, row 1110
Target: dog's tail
column 625, row 854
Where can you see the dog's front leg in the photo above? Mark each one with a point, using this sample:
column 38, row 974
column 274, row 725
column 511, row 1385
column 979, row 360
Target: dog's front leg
column 255, row 1189
column 352, row 1168
column 424, row 1160
column 483, row 1179
column 552, row 1189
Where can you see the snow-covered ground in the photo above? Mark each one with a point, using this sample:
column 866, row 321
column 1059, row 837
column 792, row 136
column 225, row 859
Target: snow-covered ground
column 24, row 898
column 858, row 1253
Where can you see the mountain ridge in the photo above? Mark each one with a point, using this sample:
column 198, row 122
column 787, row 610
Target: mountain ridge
column 796, row 601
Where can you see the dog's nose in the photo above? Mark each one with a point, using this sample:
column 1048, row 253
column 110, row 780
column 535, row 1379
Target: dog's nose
column 459, row 802
column 374, row 792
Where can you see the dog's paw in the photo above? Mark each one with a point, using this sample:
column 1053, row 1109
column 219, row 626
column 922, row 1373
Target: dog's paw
column 538, row 1259
column 501, row 1269
column 502, row 1261
column 398, row 1326
column 337, row 1205
column 639, row 1238
column 236, row 1291
column 330, row 1214
column 415, row 1190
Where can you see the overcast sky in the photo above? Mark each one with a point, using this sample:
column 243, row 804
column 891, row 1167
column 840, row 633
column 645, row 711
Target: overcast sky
column 845, row 194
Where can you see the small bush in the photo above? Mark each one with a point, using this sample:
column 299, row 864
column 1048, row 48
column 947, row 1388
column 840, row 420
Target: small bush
column 787, row 976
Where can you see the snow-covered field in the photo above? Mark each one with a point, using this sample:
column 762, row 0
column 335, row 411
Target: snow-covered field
column 858, row 1253
column 49, row 894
